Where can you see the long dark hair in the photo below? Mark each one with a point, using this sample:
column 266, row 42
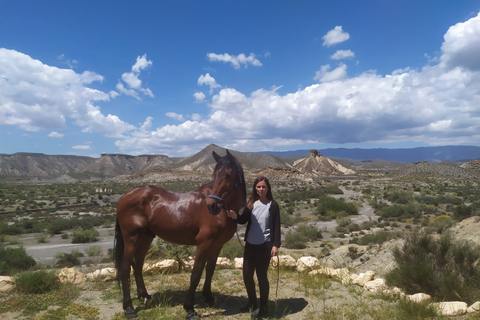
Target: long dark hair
column 254, row 197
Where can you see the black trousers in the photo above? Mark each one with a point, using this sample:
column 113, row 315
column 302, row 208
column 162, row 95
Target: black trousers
column 256, row 258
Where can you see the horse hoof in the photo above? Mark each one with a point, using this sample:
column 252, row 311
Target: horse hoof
column 192, row 315
column 130, row 313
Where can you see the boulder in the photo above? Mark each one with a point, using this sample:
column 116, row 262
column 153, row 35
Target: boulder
column 6, row 284
column 451, row 308
column 307, row 264
column 363, row 278
column 340, row 274
column 418, row 297
column 187, row 264
column 71, row 275
column 163, row 266
column 377, row 285
column 224, row 263
column 238, row 263
column 287, row 261
column 474, row 307
column 106, row 274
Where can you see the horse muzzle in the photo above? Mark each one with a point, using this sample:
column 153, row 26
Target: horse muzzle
column 215, row 204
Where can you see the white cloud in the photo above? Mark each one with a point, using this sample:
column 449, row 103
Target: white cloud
column 462, row 45
column 325, row 75
column 335, row 36
column 236, row 61
column 342, row 54
column 175, row 116
column 208, row 80
column 199, row 96
column 133, row 81
column 35, row 96
column 82, row 147
column 55, row 134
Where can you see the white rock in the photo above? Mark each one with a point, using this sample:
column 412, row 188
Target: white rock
column 224, row 263
column 474, row 307
column 187, row 264
column 163, row 266
column 376, row 285
column 107, row 274
column 307, row 264
column 363, row 278
column 238, row 263
column 393, row 292
column 287, row 262
column 338, row 274
column 451, row 308
column 71, row 275
column 6, row 283
column 419, row 297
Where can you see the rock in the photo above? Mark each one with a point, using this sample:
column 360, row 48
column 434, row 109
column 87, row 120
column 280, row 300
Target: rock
column 363, row 278
column 418, row 297
column 377, row 285
column 451, row 308
column 474, row 307
column 6, row 284
column 287, row 261
column 71, row 275
column 338, row 274
column 107, row 274
column 393, row 292
column 238, row 263
column 163, row 266
column 187, row 264
column 224, row 263
column 307, row 264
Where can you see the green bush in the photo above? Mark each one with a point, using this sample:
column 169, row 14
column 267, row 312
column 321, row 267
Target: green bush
column 93, row 251
column 36, row 282
column 377, row 237
column 326, row 204
column 395, row 211
column 232, row 249
column 297, row 239
column 445, row 270
column 68, row 260
column 85, row 236
column 14, row 259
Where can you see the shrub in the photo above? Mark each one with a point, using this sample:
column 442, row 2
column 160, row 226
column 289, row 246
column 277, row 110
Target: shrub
column 93, row 251
column 232, row 249
column 437, row 266
column 17, row 259
column 68, row 259
column 377, row 237
column 85, row 236
column 297, row 239
column 36, row 282
column 326, row 204
column 41, row 238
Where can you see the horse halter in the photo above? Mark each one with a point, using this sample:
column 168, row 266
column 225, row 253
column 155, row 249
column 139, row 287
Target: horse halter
column 222, row 200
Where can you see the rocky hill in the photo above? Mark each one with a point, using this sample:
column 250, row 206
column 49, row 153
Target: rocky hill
column 120, row 164
column 439, row 170
column 318, row 165
column 473, row 165
column 41, row 165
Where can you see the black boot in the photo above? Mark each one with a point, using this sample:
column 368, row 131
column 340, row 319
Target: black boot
column 248, row 307
column 260, row 312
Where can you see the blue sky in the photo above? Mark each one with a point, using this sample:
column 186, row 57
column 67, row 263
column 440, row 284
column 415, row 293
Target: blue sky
column 171, row 77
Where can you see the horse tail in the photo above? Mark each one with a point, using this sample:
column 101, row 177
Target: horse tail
column 118, row 245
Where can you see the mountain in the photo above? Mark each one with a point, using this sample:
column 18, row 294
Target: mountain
column 118, row 164
column 431, row 154
column 203, row 160
column 319, row 165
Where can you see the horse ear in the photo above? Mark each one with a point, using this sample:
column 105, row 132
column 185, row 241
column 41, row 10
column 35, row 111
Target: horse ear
column 215, row 156
column 229, row 155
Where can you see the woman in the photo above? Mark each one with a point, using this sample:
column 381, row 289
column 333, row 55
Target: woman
column 262, row 242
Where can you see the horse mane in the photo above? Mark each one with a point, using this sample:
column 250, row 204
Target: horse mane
column 240, row 178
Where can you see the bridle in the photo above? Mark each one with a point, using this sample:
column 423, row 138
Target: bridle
column 220, row 200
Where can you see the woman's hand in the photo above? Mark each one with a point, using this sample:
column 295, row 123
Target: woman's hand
column 232, row 214
column 274, row 251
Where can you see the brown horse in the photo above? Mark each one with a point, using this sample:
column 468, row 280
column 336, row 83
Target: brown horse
column 195, row 218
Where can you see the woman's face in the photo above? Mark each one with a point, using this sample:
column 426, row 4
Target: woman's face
column 262, row 189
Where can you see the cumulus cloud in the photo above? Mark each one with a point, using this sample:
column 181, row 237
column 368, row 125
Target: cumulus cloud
column 82, row 147
column 236, row 61
column 208, row 80
column 325, row 75
column 132, row 80
column 37, row 96
column 175, row 116
column 462, row 45
column 342, row 54
column 55, row 134
column 335, row 36
column 199, row 96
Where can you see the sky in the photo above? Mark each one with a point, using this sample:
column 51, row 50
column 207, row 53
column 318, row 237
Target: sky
column 171, row 77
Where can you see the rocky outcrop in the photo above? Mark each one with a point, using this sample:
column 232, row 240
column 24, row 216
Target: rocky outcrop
column 319, row 165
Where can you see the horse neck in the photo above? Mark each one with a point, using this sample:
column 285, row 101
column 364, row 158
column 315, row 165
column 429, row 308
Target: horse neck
column 237, row 200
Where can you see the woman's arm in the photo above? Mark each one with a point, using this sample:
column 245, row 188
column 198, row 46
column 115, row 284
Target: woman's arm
column 243, row 218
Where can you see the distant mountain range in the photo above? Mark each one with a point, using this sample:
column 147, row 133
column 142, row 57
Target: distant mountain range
column 430, row 154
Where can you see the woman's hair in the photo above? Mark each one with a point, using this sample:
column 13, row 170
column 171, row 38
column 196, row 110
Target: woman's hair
column 254, row 196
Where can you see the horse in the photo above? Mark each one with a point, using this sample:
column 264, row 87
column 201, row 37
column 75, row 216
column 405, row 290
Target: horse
column 195, row 218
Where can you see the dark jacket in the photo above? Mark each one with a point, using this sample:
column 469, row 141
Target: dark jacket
column 275, row 235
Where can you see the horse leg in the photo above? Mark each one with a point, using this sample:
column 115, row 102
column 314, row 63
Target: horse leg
column 124, row 275
column 209, row 270
column 200, row 260
column 142, row 249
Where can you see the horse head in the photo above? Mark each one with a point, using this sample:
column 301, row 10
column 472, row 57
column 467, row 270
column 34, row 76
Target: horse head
column 227, row 178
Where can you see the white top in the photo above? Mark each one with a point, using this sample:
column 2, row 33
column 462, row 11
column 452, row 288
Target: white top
column 259, row 232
